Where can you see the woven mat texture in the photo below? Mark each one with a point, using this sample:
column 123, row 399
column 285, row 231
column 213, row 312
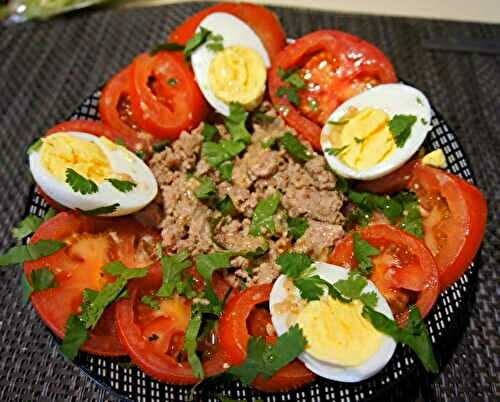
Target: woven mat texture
column 48, row 68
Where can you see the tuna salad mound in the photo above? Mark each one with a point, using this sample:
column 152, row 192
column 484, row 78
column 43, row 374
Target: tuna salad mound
column 254, row 198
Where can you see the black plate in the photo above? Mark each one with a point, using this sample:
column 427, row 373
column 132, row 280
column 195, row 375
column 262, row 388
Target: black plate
column 445, row 322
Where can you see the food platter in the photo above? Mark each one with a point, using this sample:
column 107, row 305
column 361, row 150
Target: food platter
column 130, row 383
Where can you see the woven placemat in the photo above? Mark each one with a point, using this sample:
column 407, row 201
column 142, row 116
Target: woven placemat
column 47, row 68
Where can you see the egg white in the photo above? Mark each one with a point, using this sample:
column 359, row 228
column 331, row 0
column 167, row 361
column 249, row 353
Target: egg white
column 373, row 365
column 235, row 32
column 121, row 161
column 393, row 99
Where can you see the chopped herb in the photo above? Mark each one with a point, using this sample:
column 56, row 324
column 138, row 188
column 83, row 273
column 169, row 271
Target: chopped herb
column 338, row 123
column 166, row 47
column 217, row 153
column 235, row 123
column 291, row 93
column 120, row 142
column 30, row 252
column 359, row 140
column 215, row 42
column 49, row 214
column 226, row 206
column 80, row 184
column 35, row 146
column 313, row 104
column 268, row 359
column 26, row 288
column 160, row 146
column 368, row 202
column 411, row 218
column 26, row 227
column 336, row 151
column 207, row 264
column 226, row 171
column 292, row 77
column 151, row 302
column 342, row 184
column 423, row 121
column 297, row 227
column 141, row 154
column 419, row 100
column 400, row 126
column 190, row 344
column 123, row 186
column 414, row 334
column 108, row 209
column 206, row 189
column 352, row 288
column 263, row 117
column 209, row 132
column 76, row 335
column 363, row 251
column 263, row 214
column 198, row 39
column 269, row 142
column 173, row 266
column 42, row 279
column 298, row 150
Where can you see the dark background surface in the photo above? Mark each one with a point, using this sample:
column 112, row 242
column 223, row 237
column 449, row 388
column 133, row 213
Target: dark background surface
column 47, row 69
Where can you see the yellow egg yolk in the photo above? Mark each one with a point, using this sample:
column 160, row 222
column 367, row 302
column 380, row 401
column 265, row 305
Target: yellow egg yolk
column 435, row 158
column 338, row 333
column 365, row 139
column 238, row 74
column 62, row 151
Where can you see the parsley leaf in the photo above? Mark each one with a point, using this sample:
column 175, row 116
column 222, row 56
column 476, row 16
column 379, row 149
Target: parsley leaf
column 226, row 170
column 411, row 218
column 368, row 202
column 414, row 334
column 295, row 147
column 209, row 132
column 30, row 252
column 173, row 266
column 338, row 123
column 297, row 227
column 292, row 77
column 336, row 151
column 80, row 184
column 207, row 264
column 166, row 47
column 198, row 39
column 226, row 206
column 42, row 279
column 160, row 146
column 35, row 146
column 400, row 126
column 291, row 94
column 352, row 288
column 311, row 287
column 108, row 209
column 362, row 252
column 262, row 117
column 342, row 184
column 75, row 336
column 235, row 123
column 190, row 344
column 151, row 302
column 294, row 264
column 124, row 186
column 268, row 359
column 263, row 214
column 26, row 227
column 217, row 153
column 215, row 42
column 206, row 189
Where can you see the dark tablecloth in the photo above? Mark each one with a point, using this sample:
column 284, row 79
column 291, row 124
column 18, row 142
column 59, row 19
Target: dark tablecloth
column 47, row 68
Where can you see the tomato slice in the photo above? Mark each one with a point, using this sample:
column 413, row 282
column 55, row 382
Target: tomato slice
column 116, row 111
column 91, row 243
column 154, row 338
column 94, row 127
column 262, row 20
column 334, row 66
column 165, row 110
column 405, row 271
column 293, row 376
column 454, row 214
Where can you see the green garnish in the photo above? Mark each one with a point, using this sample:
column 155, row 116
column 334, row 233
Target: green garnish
column 206, row 189
column 226, row 171
column 151, row 302
column 336, row 151
column 291, row 93
column 108, row 209
column 411, row 217
column 215, row 42
column 226, row 206
column 30, row 252
column 173, row 266
column 191, row 343
column 76, row 335
column 198, row 39
column 338, row 123
column 400, row 126
column 262, row 117
column 80, row 184
column 35, row 146
column 297, row 227
column 313, row 104
column 363, row 251
column 160, row 146
column 263, row 214
column 217, row 153
column 42, row 279
column 26, row 227
column 124, row 186
column 209, row 132
column 292, row 77
column 172, row 82
column 352, row 288
column 120, row 141
column 268, row 359
column 295, row 148
column 235, row 123
column 207, row 264
column 166, row 47
column 141, row 154
column 358, row 140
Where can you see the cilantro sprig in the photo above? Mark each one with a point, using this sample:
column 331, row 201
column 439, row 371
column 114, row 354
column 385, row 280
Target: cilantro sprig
column 400, row 127
column 30, row 252
column 262, row 218
column 107, row 209
column 30, row 224
column 298, row 150
column 124, row 186
column 80, row 184
column 297, row 227
column 363, row 251
column 295, row 82
column 173, row 266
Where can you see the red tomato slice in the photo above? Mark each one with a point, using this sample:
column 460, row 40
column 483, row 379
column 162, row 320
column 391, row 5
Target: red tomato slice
column 334, row 66
column 94, row 127
column 262, row 20
column 293, row 376
column 454, row 214
column 116, row 111
column 165, row 110
column 404, row 272
column 154, row 338
column 91, row 243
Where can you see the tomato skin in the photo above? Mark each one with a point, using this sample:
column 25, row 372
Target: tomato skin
column 94, row 127
column 160, row 366
column 394, row 182
column 234, row 334
column 263, row 21
column 68, row 295
column 173, row 108
column 427, row 283
column 342, row 84
column 115, row 94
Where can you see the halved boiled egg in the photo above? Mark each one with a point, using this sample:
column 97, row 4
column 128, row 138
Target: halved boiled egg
column 117, row 176
column 231, row 65
column 376, row 132
column 342, row 345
